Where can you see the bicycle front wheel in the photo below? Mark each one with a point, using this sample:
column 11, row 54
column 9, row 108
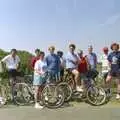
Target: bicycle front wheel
column 3, row 98
column 22, row 94
column 52, row 96
column 96, row 95
column 66, row 89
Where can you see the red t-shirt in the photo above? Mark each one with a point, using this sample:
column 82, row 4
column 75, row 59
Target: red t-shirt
column 33, row 61
column 82, row 67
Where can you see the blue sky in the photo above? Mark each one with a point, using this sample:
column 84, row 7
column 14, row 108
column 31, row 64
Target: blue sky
column 30, row 24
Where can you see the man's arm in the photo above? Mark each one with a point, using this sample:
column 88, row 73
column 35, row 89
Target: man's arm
column 88, row 65
column 109, row 60
column 95, row 59
column 18, row 65
column 3, row 62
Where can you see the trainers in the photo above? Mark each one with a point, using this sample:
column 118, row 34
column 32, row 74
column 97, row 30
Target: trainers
column 108, row 92
column 118, row 96
column 101, row 92
column 38, row 106
column 79, row 89
column 46, row 98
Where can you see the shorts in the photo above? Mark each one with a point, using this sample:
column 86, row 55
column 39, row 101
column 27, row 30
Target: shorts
column 83, row 76
column 39, row 80
column 13, row 73
column 53, row 77
column 92, row 74
column 114, row 73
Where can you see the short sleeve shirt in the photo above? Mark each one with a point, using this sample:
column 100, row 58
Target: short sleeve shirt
column 105, row 63
column 53, row 63
column 114, row 59
column 92, row 59
column 11, row 63
column 70, row 58
column 40, row 66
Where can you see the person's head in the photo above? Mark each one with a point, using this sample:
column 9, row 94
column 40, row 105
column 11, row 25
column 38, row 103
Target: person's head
column 51, row 49
column 80, row 53
column 90, row 49
column 13, row 52
column 115, row 47
column 105, row 50
column 72, row 48
column 42, row 54
column 60, row 53
column 37, row 52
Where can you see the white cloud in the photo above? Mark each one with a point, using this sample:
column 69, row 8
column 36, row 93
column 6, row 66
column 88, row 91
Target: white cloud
column 111, row 20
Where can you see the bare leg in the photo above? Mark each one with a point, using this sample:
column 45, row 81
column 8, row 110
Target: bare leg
column 118, row 86
column 77, row 80
column 36, row 94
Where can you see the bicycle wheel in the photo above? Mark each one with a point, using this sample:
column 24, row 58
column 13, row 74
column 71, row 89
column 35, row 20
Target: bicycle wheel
column 22, row 94
column 52, row 96
column 3, row 99
column 96, row 95
column 66, row 89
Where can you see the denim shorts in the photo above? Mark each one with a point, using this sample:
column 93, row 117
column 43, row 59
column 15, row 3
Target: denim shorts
column 39, row 80
column 114, row 73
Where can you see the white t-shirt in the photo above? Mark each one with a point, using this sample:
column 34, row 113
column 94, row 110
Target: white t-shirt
column 40, row 66
column 10, row 62
column 105, row 63
column 62, row 60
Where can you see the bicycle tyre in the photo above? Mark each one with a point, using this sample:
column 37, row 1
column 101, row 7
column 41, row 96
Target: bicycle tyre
column 66, row 89
column 93, row 92
column 52, row 92
column 3, row 99
column 23, row 95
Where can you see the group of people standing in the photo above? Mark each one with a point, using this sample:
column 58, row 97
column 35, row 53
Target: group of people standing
column 78, row 63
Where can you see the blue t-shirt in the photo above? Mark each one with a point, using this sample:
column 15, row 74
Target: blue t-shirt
column 53, row 63
column 114, row 59
column 70, row 60
column 92, row 59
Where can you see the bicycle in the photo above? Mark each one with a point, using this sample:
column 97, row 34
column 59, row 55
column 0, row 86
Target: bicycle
column 11, row 92
column 51, row 96
column 91, row 91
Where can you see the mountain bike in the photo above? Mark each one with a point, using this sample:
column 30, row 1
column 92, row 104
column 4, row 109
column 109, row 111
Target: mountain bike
column 12, row 92
column 51, row 96
column 92, row 93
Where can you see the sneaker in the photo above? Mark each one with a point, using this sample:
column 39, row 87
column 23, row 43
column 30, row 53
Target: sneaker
column 108, row 92
column 79, row 89
column 46, row 98
column 101, row 92
column 38, row 106
column 118, row 96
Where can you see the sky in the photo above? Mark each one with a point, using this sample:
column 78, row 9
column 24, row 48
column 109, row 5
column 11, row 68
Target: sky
column 30, row 24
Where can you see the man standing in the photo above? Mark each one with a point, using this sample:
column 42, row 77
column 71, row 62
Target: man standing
column 53, row 63
column 114, row 62
column 105, row 63
column 92, row 62
column 12, row 64
column 92, row 58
